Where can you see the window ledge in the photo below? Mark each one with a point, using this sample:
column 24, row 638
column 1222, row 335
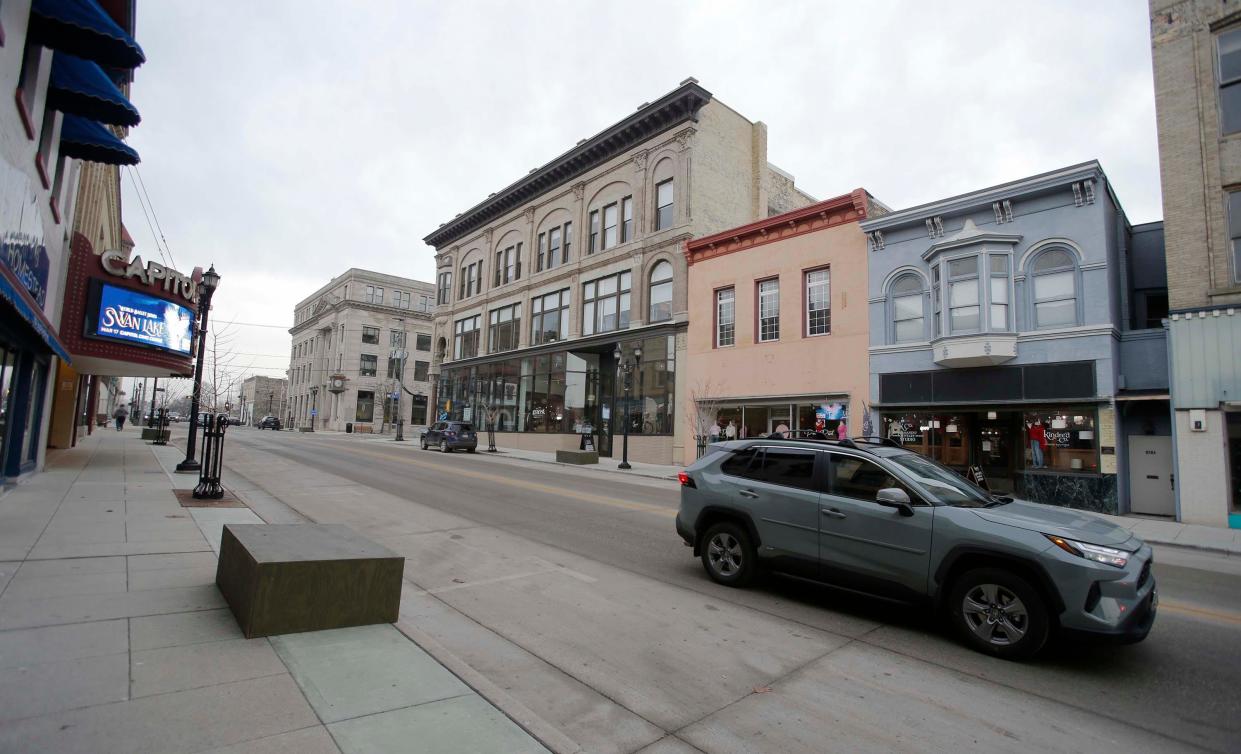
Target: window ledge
column 983, row 349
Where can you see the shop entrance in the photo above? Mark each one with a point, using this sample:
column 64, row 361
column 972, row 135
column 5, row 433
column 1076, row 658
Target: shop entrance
column 1150, row 475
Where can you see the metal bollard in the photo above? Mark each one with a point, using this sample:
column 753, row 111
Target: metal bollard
column 212, row 460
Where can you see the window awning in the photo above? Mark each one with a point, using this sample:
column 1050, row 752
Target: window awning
column 12, row 293
column 80, row 87
column 82, row 28
column 85, row 139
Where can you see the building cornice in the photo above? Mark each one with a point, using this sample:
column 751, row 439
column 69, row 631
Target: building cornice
column 674, row 108
column 984, row 197
column 839, row 210
column 338, row 306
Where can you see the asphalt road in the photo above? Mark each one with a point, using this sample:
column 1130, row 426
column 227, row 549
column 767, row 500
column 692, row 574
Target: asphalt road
column 1181, row 682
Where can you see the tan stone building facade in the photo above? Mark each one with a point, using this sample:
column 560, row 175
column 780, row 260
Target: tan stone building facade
column 778, row 330
column 349, row 340
column 543, row 283
column 262, row 396
column 1196, row 46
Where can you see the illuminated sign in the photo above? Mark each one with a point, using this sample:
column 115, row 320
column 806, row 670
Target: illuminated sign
column 132, row 317
column 153, row 274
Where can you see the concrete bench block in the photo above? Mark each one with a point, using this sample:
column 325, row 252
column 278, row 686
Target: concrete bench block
column 305, row 429
column 149, row 433
column 288, row 578
column 578, row 457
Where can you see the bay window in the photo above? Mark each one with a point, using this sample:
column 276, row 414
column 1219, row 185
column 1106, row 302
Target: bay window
column 963, row 310
column 999, row 292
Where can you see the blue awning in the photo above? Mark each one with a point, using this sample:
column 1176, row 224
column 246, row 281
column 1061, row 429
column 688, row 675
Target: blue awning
column 10, row 292
column 82, row 28
column 80, row 87
column 87, row 140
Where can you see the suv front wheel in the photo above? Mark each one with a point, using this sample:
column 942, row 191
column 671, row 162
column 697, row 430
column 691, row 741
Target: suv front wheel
column 727, row 554
column 999, row 613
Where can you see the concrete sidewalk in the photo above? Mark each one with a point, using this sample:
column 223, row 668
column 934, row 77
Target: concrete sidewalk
column 114, row 638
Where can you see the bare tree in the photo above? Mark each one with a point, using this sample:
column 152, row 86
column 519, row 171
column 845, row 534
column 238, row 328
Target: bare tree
column 703, row 407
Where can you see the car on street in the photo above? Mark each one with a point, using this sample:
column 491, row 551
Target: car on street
column 869, row 516
column 450, row 436
column 269, row 422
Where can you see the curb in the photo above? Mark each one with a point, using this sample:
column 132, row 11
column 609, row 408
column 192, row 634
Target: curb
column 1196, row 548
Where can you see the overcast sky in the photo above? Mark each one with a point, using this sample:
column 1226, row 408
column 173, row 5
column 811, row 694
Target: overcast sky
column 287, row 141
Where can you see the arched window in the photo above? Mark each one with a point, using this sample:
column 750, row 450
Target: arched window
column 1054, row 276
column 908, row 309
column 661, row 292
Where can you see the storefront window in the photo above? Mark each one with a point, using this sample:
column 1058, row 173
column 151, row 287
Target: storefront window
column 366, row 406
column 1061, row 439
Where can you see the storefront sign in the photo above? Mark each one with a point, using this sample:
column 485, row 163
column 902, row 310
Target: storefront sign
column 25, row 255
column 153, row 274
column 1059, row 439
column 133, row 317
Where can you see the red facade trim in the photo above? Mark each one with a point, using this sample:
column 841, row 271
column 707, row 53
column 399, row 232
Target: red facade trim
column 23, row 110
column 847, row 208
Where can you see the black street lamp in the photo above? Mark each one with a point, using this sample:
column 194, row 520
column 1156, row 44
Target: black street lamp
column 627, row 367
column 206, row 287
column 270, row 398
column 314, row 405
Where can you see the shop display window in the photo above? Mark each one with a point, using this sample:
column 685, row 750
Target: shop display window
column 1067, row 438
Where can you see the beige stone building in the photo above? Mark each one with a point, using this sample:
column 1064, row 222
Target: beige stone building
column 262, row 396
column 349, row 340
column 1196, row 45
column 543, row 283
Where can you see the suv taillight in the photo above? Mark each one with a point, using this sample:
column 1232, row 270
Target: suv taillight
column 686, row 480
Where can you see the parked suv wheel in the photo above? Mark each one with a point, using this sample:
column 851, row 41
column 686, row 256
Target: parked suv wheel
column 424, row 443
column 999, row 613
column 727, row 554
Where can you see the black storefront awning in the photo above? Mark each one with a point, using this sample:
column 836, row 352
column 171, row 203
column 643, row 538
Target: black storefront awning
column 1032, row 382
column 87, row 140
column 80, row 87
column 82, row 28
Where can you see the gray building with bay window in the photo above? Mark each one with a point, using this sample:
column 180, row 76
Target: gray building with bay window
column 541, row 284
column 1017, row 332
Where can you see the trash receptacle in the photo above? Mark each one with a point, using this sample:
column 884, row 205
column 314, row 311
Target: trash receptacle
column 348, row 428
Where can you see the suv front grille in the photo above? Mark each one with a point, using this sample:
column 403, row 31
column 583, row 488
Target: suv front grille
column 1145, row 574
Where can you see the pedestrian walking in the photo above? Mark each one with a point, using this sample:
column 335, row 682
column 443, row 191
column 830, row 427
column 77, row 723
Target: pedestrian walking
column 120, row 414
column 731, row 430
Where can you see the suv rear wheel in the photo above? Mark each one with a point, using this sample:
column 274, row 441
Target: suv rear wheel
column 999, row 613
column 727, row 554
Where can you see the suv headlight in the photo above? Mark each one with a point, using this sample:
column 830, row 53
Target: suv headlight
column 1098, row 553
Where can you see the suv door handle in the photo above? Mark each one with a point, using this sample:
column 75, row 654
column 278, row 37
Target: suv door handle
column 832, row 512
column 748, row 493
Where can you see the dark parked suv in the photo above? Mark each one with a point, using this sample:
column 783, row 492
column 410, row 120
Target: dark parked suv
column 269, row 422
column 450, row 436
column 868, row 515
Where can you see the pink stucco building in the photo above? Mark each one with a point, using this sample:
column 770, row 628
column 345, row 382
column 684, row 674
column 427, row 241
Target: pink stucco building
column 778, row 337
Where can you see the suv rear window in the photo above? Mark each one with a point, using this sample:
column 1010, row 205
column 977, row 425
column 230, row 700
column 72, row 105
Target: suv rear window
column 739, row 463
column 788, row 467
column 463, row 427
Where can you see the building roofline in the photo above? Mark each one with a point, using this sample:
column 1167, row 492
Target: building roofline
column 354, row 271
column 981, row 197
column 838, row 210
column 674, row 108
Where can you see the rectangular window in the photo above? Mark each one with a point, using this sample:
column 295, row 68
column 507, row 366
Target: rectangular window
column 367, row 365
column 549, row 317
column 609, row 226
column 594, row 232
column 421, row 368
column 542, row 260
column 963, row 311
column 366, row 406
column 1067, row 437
column 424, row 303
column 370, row 335
column 1229, row 48
column 999, row 292
column 663, row 205
column 497, row 267
column 936, row 298
column 553, row 248
column 465, row 338
column 394, row 366
column 725, row 317
column 769, row 310
column 396, row 339
column 505, row 326
column 1234, row 232
column 818, row 302
column 605, row 304
column 627, row 219
column 444, row 293
column 508, row 265
column 400, row 299
column 568, row 241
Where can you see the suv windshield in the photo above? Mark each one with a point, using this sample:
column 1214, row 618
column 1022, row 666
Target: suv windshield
column 947, row 485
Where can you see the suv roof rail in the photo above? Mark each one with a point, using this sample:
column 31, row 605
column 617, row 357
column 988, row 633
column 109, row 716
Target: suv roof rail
column 876, row 439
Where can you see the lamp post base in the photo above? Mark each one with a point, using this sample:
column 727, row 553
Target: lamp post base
column 189, row 466
column 400, row 432
column 624, row 465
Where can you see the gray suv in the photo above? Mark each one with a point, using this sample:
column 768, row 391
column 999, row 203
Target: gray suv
column 869, row 516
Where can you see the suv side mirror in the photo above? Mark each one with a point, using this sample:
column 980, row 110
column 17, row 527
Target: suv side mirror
column 895, row 497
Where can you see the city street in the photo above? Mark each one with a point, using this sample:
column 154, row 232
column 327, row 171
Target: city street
column 569, row 593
